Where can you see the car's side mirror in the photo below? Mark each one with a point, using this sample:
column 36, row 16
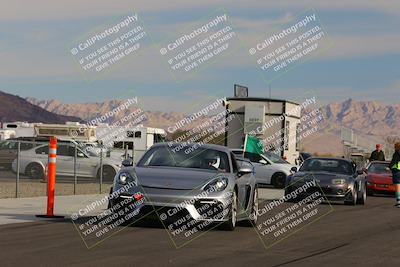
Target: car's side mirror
column 263, row 161
column 127, row 162
column 80, row 155
column 293, row 169
column 245, row 170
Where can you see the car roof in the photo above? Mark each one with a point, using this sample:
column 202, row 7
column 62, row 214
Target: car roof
column 330, row 158
column 206, row 146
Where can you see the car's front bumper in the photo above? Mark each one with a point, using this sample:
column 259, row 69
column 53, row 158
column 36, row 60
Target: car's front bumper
column 173, row 204
column 327, row 191
column 384, row 188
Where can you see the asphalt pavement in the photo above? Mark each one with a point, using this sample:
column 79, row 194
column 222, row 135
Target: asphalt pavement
column 349, row 235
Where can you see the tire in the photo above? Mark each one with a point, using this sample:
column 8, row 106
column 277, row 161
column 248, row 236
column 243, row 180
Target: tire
column 254, row 209
column 363, row 197
column 353, row 200
column 278, row 180
column 34, row 171
column 108, row 173
column 232, row 218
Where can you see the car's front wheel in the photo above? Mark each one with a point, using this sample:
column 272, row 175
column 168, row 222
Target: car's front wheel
column 278, row 180
column 108, row 173
column 34, row 171
column 232, row 218
column 363, row 197
column 254, row 209
column 353, row 198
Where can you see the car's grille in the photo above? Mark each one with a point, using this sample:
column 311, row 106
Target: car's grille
column 209, row 209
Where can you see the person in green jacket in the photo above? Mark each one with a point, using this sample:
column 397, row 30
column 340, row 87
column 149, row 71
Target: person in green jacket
column 395, row 167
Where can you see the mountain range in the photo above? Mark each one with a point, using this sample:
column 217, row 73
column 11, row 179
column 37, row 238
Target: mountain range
column 371, row 120
column 15, row 108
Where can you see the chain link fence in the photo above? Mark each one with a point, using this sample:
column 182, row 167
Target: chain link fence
column 81, row 169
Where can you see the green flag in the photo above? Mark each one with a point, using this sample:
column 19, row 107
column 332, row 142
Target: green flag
column 253, row 145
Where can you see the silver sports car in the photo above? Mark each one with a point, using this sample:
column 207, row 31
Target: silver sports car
column 191, row 179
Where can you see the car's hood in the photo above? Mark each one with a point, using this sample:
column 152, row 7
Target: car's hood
column 380, row 178
column 320, row 176
column 173, row 178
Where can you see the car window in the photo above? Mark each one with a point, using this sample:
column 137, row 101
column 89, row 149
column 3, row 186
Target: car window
column 65, row 150
column 327, row 165
column 253, row 157
column 275, row 158
column 379, row 168
column 201, row 158
column 8, row 145
column 26, row 146
column 44, row 150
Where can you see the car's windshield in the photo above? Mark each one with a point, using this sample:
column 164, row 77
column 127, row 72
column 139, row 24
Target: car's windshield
column 379, row 168
column 327, row 165
column 275, row 158
column 200, row 158
column 7, row 145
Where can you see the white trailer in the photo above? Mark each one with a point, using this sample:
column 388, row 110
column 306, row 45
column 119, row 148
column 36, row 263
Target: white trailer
column 138, row 139
column 68, row 131
column 21, row 129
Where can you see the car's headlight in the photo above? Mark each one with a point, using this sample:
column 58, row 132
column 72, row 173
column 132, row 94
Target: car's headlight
column 338, row 181
column 218, row 184
column 124, row 178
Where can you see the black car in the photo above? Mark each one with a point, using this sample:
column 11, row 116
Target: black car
column 337, row 179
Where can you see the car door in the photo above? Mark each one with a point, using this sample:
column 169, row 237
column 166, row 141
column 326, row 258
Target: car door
column 262, row 166
column 86, row 165
column 242, row 182
column 65, row 160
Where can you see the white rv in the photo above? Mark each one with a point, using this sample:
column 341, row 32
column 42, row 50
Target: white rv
column 21, row 129
column 138, row 139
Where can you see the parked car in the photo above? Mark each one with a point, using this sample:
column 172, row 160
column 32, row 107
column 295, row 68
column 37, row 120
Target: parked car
column 338, row 179
column 269, row 167
column 9, row 151
column 169, row 177
column 379, row 178
column 33, row 162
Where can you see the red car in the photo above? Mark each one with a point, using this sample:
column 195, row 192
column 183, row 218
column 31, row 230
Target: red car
column 379, row 178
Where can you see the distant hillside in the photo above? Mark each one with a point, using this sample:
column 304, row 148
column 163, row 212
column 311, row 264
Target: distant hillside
column 369, row 117
column 89, row 111
column 15, row 108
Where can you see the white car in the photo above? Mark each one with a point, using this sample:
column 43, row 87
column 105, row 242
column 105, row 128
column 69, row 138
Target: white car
column 33, row 162
column 269, row 167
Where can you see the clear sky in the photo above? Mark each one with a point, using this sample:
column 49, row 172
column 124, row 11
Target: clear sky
column 35, row 38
